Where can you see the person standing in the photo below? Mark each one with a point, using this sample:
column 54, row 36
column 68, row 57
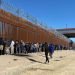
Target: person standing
column 46, row 52
column 1, row 46
column 12, row 47
column 51, row 50
column 16, row 47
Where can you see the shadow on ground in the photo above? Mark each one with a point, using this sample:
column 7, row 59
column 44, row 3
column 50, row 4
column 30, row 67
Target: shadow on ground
column 29, row 57
column 57, row 60
column 33, row 60
column 23, row 55
column 43, row 69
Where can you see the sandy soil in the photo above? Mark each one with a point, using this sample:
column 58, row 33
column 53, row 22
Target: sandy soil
column 62, row 63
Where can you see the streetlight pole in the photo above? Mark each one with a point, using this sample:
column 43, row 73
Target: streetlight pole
column 66, row 26
column 0, row 3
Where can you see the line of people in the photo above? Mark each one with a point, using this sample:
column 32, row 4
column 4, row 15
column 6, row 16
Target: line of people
column 17, row 47
column 22, row 47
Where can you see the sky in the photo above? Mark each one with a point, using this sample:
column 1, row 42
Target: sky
column 55, row 13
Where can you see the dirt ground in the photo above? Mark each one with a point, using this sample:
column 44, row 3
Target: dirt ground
column 62, row 63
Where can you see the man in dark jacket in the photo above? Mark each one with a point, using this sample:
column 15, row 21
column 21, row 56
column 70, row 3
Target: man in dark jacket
column 1, row 46
column 46, row 52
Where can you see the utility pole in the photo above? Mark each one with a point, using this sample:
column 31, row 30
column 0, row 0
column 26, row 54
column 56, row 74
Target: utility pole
column 66, row 26
column 0, row 3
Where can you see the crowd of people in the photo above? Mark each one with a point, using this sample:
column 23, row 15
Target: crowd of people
column 16, row 47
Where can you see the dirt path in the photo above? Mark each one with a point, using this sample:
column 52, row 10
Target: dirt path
column 63, row 63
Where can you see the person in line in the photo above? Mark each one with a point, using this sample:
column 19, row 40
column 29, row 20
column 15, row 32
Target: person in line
column 12, row 47
column 1, row 46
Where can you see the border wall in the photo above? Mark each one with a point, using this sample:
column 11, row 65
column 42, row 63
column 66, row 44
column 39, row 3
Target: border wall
column 15, row 27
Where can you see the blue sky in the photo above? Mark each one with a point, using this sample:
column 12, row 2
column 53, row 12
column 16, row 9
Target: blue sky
column 55, row 13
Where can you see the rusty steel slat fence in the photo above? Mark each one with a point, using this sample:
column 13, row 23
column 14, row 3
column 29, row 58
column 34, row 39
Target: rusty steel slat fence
column 20, row 19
